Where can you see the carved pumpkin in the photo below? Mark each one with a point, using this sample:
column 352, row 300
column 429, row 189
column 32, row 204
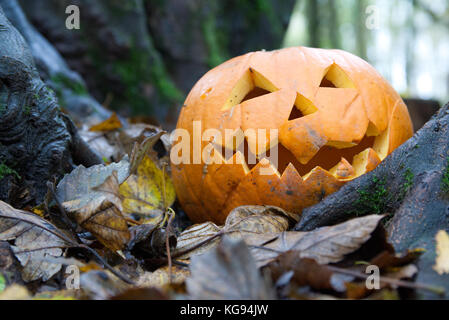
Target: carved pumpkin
column 332, row 118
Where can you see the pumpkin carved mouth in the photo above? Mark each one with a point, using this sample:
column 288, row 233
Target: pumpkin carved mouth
column 345, row 159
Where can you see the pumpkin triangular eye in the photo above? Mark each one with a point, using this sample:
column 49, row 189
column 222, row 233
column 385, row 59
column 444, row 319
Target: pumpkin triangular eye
column 251, row 85
column 295, row 114
column 256, row 92
column 325, row 83
column 335, row 77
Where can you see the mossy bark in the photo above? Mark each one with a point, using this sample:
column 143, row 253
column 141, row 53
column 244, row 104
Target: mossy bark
column 67, row 84
column 145, row 56
column 113, row 51
column 37, row 141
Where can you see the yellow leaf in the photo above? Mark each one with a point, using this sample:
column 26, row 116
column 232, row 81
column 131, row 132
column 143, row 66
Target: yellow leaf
column 148, row 193
column 110, row 124
column 39, row 210
column 442, row 247
column 56, row 295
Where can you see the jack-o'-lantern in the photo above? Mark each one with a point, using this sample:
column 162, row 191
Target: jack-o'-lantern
column 326, row 115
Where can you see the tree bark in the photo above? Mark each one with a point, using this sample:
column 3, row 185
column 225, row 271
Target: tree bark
column 68, row 85
column 37, row 141
column 147, row 55
column 113, row 51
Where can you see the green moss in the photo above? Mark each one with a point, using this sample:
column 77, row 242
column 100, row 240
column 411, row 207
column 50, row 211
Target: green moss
column 134, row 72
column 27, row 110
column 163, row 83
column 76, row 87
column 212, row 41
column 408, row 176
column 445, row 180
column 265, row 7
column 372, row 201
column 2, row 109
column 5, row 171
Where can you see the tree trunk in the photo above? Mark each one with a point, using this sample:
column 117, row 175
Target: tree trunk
column 37, row 141
column 68, row 85
column 313, row 23
column 146, row 55
column 113, row 51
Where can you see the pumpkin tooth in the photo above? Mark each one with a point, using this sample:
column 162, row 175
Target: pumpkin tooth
column 291, row 174
column 321, row 182
column 343, row 170
column 266, row 168
column 318, row 171
column 365, row 161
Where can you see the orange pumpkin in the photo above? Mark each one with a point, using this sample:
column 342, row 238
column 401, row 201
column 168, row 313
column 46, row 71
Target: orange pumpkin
column 328, row 114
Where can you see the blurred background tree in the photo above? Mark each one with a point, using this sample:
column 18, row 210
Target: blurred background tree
column 408, row 42
column 141, row 57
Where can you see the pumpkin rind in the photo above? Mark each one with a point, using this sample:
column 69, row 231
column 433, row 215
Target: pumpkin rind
column 361, row 104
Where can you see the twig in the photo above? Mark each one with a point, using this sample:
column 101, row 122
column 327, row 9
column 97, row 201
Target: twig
column 167, row 244
column 107, row 265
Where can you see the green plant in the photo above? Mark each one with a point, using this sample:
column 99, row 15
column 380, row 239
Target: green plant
column 211, row 39
column 27, row 110
column 76, row 87
column 408, row 176
column 373, row 200
column 5, row 170
column 445, row 180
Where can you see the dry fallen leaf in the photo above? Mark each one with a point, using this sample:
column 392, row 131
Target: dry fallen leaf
column 91, row 198
column 306, row 272
column 253, row 224
column 35, row 239
column 106, row 222
column 325, row 245
column 101, row 285
column 82, row 185
column 244, row 221
column 113, row 123
column 160, row 277
column 143, row 146
column 195, row 235
column 442, row 249
column 227, row 272
column 148, row 193
column 100, row 143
